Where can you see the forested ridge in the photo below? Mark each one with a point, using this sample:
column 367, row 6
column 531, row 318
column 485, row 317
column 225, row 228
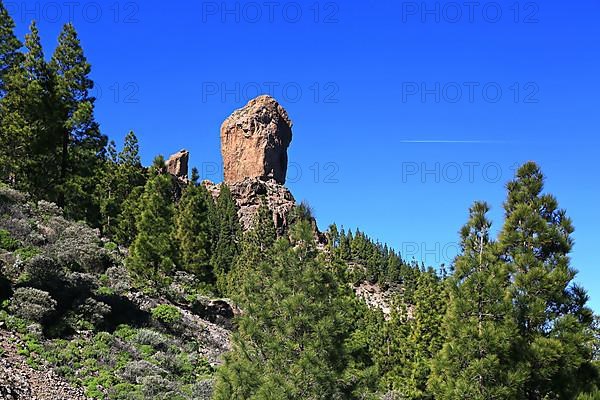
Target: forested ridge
column 134, row 284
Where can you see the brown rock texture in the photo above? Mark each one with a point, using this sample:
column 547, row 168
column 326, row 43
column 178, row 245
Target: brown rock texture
column 254, row 141
column 177, row 164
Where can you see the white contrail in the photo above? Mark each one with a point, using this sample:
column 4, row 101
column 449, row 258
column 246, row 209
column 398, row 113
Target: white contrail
column 456, row 141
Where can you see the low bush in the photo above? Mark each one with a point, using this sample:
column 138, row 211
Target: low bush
column 32, row 304
column 42, row 272
column 7, row 242
column 92, row 311
column 159, row 388
column 9, row 195
column 166, row 314
column 79, row 248
column 151, row 338
column 26, row 253
column 202, row 390
column 135, row 371
column 47, row 209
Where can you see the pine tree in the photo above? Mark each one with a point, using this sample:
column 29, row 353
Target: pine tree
column 368, row 333
column 82, row 144
column 192, row 232
column 477, row 360
column 106, row 191
column 130, row 165
column 152, row 254
column 289, row 344
column 414, row 338
column 121, row 174
column 43, row 171
column 425, row 332
column 264, row 227
column 344, row 249
column 255, row 247
column 10, row 57
column 195, row 176
column 333, row 239
column 130, row 211
column 553, row 322
column 28, row 140
column 228, row 232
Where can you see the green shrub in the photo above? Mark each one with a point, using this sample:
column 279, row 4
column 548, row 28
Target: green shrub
column 126, row 391
column 166, row 314
column 151, row 338
column 32, row 349
column 93, row 384
column 125, row 332
column 13, row 323
column 104, row 280
column 111, row 246
column 32, row 304
column 146, row 351
column 105, row 291
column 7, row 242
column 134, row 371
column 28, row 252
column 40, row 271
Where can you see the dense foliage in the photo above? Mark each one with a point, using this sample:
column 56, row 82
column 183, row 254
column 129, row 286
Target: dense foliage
column 123, row 301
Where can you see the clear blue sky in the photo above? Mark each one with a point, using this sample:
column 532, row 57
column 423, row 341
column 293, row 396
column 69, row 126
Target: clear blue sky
column 404, row 112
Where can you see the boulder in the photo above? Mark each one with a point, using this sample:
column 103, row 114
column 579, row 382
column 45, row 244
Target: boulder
column 254, row 141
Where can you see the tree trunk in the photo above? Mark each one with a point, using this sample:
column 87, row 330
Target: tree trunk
column 63, row 168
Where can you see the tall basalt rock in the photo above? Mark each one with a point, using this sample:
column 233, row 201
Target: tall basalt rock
column 254, row 141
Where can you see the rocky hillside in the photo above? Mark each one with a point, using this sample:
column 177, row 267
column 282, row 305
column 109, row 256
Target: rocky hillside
column 74, row 319
column 18, row 380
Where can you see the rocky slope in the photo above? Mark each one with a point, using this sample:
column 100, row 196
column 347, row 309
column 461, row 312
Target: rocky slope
column 74, row 315
column 19, row 381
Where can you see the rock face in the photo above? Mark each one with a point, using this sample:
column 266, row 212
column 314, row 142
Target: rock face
column 248, row 196
column 177, row 164
column 254, row 141
column 378, row 298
